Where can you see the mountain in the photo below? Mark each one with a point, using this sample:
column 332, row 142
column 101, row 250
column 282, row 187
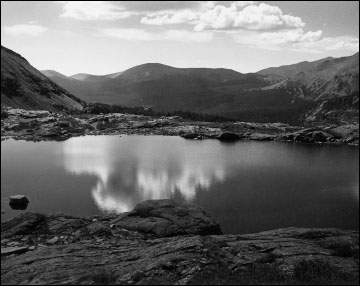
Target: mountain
column 202, row 90
column 307, row 91
column 23, row 86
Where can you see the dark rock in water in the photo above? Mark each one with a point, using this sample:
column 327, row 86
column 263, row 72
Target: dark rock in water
column 13, row 250
column 227, row 136
column 18, row 202
column 190, row 135
column 168, row 218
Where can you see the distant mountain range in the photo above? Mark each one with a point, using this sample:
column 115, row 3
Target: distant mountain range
column 23, row 86
column 323, row 90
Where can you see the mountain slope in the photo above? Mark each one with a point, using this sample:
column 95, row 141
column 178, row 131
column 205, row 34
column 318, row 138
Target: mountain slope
column 323, row 79
column 23, row 86
column 331, row 84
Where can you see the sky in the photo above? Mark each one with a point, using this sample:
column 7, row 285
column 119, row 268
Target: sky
column 104, row 37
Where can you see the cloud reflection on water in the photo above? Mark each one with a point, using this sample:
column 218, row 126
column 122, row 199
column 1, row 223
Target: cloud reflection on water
column 132, row 169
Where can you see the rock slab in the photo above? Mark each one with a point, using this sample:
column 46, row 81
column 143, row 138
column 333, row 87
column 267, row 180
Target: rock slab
column 168, row 218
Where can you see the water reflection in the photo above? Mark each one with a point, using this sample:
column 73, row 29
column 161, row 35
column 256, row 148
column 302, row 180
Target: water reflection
column 247, row 186
column 143, row 169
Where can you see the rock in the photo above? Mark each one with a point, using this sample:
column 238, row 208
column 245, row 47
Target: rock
column 14, row 127
column 320, row 136
column 13, row 243
column 168, row 218
column 287, row 137
column 21, row 224
column 4, row 114
column 53, row 240
column 97, row 228
column 189, row 135
column 261, row 137
column 12, row 250
column 52, row 132
column 18, row 202
column 63, row 123
column 228, row 136
column 328, row 254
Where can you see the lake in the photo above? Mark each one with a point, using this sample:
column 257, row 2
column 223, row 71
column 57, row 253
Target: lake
column 247, row 186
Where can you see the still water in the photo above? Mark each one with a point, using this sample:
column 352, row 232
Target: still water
column 246, row 186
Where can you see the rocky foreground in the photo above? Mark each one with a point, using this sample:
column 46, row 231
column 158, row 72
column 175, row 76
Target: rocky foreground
column 44, row 125
column 162, row 242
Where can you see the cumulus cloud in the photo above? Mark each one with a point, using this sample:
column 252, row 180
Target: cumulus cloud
column 217, row 15
column 25, row 29
column 171, row 35
column 247, row 15
column 93, row 10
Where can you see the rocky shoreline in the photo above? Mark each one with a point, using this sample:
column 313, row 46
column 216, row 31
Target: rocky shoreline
column 163, row 242
column 34, row 125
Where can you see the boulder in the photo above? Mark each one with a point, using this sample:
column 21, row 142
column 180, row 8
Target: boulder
column 228, row 136
column 168, row 218
column 18, row 202
column 319, row 136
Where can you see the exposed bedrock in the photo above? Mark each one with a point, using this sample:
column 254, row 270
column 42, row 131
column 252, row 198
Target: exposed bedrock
column 169, row 243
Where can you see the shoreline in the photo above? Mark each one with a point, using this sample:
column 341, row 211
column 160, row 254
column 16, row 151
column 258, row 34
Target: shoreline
column 30, row 125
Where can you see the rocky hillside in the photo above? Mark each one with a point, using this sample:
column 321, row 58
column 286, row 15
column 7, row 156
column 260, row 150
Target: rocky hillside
column 322, row 79
column 330, row 84
column 162, row 242
column 23, row 86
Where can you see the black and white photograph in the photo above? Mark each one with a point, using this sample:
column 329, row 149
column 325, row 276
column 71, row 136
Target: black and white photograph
column 179, row 142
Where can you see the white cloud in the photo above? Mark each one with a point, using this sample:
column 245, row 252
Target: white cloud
column 247, row 15
column 25, row 29
column 92, row 10
column 291, row 36
column 295, row 40
column 162, row 18
column 342, row 43
column 170, row 35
